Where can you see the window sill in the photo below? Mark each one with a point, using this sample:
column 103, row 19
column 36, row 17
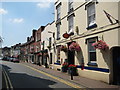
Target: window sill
column 57, row 62
column 58, row 39
column 92, row 26
column 92, row 64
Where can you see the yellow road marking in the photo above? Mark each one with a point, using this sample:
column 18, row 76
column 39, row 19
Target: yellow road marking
column 7, row 77
column 5, row 80
column 61, row 80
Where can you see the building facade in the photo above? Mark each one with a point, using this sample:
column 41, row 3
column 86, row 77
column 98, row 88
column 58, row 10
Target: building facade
column 6, row 52
column 15, row 50
column 47, row 46
column 37, row 46
column 89, row 24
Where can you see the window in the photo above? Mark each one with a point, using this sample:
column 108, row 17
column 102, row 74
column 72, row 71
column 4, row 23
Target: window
column 50, row 41
column 70, row 23
column 43, row 44
column 36, row 37
column 58, row 11
column 91, row 50
column 58, row 31
column 70, row 5
column 91, row 13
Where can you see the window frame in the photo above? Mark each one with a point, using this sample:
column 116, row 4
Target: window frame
column 50, row 41
column 58, row 31
column 70, row 5
column 70, row 23
column 91, row 23
column 93, row 40
column 58, row 8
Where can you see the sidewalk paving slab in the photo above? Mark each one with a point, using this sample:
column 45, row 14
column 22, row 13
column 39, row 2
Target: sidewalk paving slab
column 82, row 81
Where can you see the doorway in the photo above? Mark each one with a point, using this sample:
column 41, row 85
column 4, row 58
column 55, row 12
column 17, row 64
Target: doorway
column 71, row 55
column 50, row 58
column 116, row 65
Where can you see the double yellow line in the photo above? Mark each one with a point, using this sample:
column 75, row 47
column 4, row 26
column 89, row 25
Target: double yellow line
column 7, row 80
column 56, row 78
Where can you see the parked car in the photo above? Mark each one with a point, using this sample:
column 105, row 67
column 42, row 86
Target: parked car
column 5, row 58
column 0, row 58
column 15, row 60
column 11, row 59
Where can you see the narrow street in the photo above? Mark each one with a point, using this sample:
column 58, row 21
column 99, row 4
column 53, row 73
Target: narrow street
column 23, row 76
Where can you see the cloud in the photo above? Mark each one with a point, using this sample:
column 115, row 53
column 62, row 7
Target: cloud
column 3, row 11
column 16, row 20
column 44, row 3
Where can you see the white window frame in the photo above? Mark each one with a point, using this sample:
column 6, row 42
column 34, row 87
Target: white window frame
column 90, row 51
column 70, row 23
column 91, row 15
column 58, row 31
column 58, row 8
column 70, row 4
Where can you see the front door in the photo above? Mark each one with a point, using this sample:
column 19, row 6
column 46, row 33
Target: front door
column 50, row 58
column 116, row 65
column 71, row 55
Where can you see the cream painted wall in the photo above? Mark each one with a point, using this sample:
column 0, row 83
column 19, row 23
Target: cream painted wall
column 111, row 37
column 45, row 37
column 80, row 18
column 110, row 7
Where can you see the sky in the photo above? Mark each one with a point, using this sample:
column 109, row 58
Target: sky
column 18, row 19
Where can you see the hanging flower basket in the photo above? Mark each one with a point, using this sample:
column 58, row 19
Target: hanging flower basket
column 74, row 47
column 64, row 67
column 63, row 48
column 72, row 69
column 100, row 45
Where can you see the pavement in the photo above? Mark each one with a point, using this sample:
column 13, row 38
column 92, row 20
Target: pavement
column 82, row 81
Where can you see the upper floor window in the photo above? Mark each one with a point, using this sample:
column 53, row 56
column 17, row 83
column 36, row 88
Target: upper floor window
column 36, row 37
column 70, row 23
column 70, row 5
column 91, row 14
column 58, row 31
column 58, row 11
column 50, row 41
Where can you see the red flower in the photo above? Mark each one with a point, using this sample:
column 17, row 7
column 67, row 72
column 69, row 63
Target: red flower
column 72, row 65
column 65, row 65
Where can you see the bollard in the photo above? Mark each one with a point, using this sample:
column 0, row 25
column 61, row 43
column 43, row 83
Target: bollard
column 71, row 73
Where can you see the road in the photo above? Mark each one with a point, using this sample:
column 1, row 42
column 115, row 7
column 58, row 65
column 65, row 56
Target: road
column 22, row 76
